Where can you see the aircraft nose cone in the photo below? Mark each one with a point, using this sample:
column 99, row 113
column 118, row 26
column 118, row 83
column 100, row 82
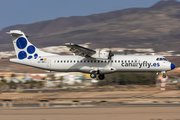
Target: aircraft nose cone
column 172, row 66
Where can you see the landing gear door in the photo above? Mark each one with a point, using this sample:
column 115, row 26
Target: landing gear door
column 48, row 64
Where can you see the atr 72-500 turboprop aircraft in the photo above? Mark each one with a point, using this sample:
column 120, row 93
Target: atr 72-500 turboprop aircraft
column 86, row 60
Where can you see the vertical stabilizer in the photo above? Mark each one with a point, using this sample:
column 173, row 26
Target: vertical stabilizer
column 23, row 48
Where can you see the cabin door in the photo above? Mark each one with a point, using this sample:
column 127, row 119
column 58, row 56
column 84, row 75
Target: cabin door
column 48, row 64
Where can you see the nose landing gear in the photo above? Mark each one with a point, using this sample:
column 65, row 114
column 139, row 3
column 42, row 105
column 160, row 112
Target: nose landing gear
column 164, row 75
column 162, row 78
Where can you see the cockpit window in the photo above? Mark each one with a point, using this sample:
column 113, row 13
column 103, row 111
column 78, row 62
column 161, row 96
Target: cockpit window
column 161, row 59
column 164, row 59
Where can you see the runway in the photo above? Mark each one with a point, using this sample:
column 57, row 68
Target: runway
column 84, row 105
column 113, row 105
column 95, row 113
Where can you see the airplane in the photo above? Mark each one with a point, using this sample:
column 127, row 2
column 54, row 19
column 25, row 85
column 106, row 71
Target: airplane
column 95, row 63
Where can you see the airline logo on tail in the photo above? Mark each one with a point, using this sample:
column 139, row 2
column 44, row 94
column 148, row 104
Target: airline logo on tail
column 25, row 50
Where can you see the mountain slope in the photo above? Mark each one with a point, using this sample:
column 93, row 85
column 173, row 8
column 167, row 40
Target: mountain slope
column 157, row 27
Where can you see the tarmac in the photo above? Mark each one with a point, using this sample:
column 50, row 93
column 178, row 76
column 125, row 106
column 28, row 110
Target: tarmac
column 78, row 105
column 95, row 113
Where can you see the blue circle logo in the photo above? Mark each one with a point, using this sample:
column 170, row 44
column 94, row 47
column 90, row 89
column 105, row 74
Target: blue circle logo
column 35, row 56
column 21, row 43
column 31, row 49
column 22, row 55
column 30, row 57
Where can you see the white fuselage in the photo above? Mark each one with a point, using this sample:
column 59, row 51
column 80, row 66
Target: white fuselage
column 118, row 63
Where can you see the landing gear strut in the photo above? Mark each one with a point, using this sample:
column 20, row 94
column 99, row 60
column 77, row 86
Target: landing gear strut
column 164, row 74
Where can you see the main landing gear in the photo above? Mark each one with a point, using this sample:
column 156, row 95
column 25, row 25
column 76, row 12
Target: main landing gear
column 94, row 74
column 101, row 77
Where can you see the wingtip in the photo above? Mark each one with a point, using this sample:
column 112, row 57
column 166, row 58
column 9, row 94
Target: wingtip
column 8, row 33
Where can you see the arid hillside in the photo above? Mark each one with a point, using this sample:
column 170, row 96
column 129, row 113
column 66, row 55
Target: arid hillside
column 155, row 27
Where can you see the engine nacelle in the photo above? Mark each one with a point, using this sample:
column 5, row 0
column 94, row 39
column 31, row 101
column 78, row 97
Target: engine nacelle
column 102, row 55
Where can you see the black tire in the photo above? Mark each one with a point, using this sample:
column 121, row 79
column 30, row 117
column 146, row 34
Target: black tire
column 93, row 75
column 164, row 76
column 101, row 77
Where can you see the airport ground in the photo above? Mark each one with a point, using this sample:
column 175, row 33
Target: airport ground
column 94, row 105
column 95, row 113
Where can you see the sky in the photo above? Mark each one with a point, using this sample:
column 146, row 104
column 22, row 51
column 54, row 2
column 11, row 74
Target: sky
column 13, row 12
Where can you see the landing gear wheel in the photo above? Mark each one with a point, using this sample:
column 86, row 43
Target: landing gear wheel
column 164, row 76
column 101, row 77
column 93, row 75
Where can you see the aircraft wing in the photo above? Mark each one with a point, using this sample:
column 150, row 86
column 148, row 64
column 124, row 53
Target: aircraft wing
column 79, row 50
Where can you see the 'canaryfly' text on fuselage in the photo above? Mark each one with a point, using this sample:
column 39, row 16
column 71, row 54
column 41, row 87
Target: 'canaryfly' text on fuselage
column 140, row 65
